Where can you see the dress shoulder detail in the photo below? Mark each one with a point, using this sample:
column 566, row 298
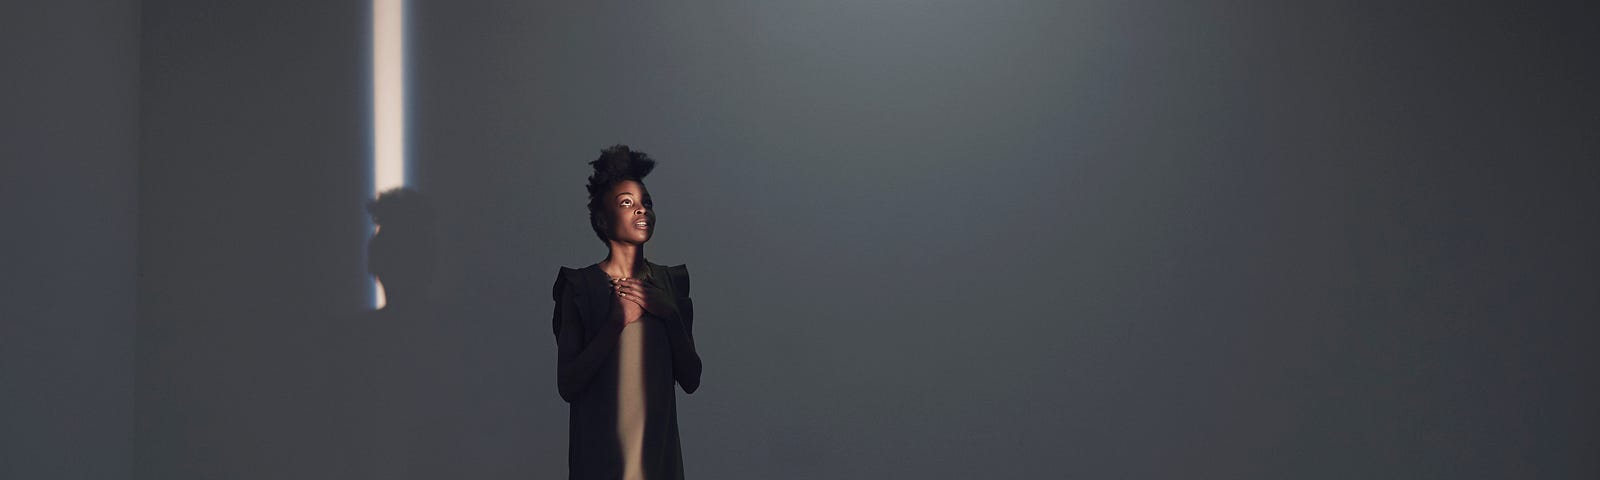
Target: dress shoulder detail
column 679, row 276
column 565, row 278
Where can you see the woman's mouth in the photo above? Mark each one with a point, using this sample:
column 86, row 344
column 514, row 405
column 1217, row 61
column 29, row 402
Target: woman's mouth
column 642, row 224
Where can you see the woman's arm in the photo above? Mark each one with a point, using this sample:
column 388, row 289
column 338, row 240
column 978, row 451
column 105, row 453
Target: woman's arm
column 685, row 360
column 577, row 363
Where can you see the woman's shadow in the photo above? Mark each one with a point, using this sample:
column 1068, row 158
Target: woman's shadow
column 403, row 363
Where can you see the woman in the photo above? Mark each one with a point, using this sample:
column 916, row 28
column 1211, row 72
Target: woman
column 623, row 331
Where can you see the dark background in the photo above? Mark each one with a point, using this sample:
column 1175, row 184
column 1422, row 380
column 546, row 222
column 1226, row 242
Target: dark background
column 929, row 239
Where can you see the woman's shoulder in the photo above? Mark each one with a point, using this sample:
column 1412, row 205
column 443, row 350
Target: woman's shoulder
column 680, row 269
column 571, row 278
column 678, row 275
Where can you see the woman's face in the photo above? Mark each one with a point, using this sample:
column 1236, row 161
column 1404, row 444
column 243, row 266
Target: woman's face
column 631, row 215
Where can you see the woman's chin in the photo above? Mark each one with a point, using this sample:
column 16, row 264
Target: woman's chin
column 637, row 241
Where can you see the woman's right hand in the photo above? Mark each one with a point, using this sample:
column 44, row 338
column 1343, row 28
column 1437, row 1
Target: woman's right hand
column 631, row 311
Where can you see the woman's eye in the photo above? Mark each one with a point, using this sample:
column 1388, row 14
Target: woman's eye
column 627, row 203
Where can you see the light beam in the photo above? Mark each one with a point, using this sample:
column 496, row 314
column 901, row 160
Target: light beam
column 388, row 104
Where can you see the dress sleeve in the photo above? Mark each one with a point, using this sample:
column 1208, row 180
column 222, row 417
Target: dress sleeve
column 680, row 332
column 577, row 362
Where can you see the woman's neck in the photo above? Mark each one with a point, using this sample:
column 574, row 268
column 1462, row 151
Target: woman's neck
column 624, row 260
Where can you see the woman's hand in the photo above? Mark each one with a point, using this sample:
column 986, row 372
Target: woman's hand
column 646, row 296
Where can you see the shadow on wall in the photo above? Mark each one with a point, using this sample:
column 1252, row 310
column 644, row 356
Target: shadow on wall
column 407, row 403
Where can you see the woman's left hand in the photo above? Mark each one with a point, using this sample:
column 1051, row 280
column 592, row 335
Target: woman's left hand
column 651, row 299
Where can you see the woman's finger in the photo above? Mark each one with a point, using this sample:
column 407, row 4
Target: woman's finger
column 637, row 300
column 628, row 291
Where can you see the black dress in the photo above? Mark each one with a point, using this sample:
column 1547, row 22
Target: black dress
column 616, row 428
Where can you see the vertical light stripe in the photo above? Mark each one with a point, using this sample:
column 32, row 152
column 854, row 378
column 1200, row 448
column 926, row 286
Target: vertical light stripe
column 388, row 90
column 388, row 101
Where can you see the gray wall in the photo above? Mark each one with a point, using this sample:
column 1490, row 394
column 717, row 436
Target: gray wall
column 250, row 232
column 1091, row 239
column 69, row 128
column 947, row 240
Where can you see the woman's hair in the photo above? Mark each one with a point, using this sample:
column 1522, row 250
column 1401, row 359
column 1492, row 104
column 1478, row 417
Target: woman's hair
column 616, row 164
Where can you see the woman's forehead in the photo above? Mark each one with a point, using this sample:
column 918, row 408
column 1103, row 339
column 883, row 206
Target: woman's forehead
column 629, row 187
